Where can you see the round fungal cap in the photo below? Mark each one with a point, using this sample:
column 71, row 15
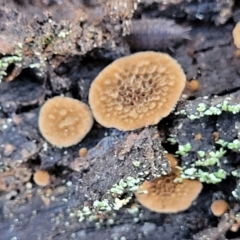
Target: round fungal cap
column 41, row 178
column 219, row 207
column 163, row 195
column 82, row 152
column 236, row 35
column 136, row 91
column 193, row 85
column 64, row 121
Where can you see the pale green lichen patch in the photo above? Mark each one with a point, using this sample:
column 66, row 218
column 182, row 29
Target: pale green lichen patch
column 136, row 163
column 203, row 156
column 184, row 149
column 208, row 107
column 6, row 61
column 208, row 166
column 119, row 195
column 130, row 184
column 203, row 176
column 234, row 145
column 211, row 158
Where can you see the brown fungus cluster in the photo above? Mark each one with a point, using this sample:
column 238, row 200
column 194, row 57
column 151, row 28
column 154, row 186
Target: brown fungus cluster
column 137, row 90
column 64, row 121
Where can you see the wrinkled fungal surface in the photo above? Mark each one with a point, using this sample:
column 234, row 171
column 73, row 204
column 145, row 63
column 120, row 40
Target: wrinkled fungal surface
column 165, row 196
column 136, row 91
column 64, row 121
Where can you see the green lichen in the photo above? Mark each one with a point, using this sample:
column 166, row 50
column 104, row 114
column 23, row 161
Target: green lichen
column 117, row 199
column 211, row 158
column 201, row 168
column 6, row 61
column 136, row 163
column 203, row 176
column 172, row 139
column 236, row 173
column 209, row 109
column 130, row 184
column 184, row 149
column 234, row 145
column 102, row 205
column 209, row 167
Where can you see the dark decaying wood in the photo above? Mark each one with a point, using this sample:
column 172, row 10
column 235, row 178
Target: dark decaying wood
column 198, row 34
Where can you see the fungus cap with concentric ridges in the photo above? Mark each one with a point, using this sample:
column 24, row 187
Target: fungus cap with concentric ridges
column 64, row 121
column 137, row 90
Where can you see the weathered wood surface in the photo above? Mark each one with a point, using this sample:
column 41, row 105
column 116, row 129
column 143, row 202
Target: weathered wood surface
column 31, row 212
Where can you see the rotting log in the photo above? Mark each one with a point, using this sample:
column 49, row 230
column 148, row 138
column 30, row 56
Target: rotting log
column 29, row 212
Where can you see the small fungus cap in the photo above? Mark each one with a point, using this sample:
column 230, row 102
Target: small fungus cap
column 236, row 35
column 219, row 207
column 137, row 90
column 193, row 85
column 41, row 178
column 163, row 195
column 82, row 152
column 64, row 121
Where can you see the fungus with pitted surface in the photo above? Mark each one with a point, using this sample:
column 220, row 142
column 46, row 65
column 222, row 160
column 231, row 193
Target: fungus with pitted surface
column 136, row 91
column 164, row 195
column 64, row 121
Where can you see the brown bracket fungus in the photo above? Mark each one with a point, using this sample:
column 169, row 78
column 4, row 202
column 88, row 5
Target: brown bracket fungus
column 164, row 195
column 219, row 207
column 136, row 91
column 64, row 121
column 236, row 35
